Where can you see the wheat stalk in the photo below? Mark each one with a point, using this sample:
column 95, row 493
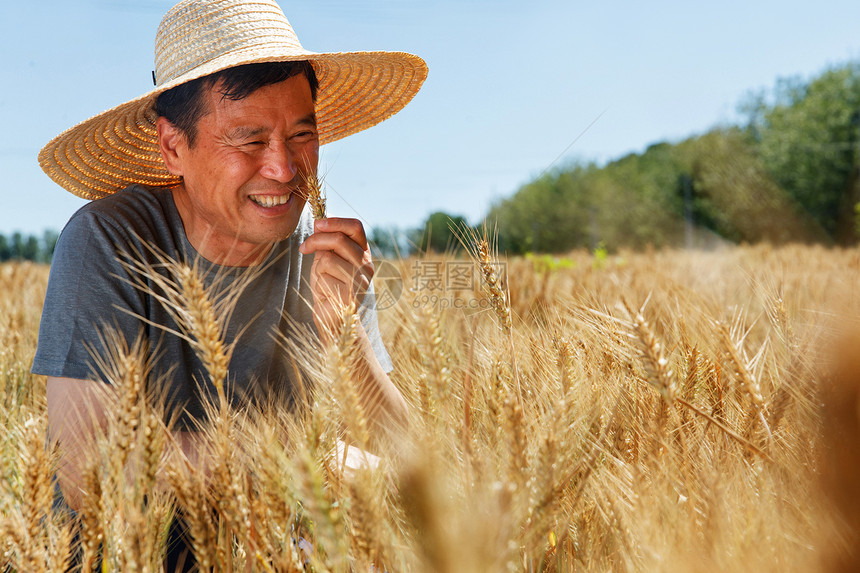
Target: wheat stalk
column 586, row 496
column 316, row 196
column 436, row 376
column 201, row 311
column 191, row 497
column 92, row 531
column 478, row 246
column 36, row 494
column 742, row 369
column 564, row 361
column 343, row 363
column 656, row 364
column 498, row 296
column 205, row 328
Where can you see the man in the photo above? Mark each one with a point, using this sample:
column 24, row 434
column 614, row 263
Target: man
column 211, row 168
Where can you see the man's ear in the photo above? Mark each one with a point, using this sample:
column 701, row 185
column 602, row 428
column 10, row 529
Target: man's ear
column 170, row 138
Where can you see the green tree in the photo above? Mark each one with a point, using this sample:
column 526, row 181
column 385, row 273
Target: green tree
column 438, row 232
column 808, row 142
column 733, row 195
column 388, row 242
column 643, row 207
column 49, row 243
column 549, row 214
column 630, row 202
column 792, row 174
column 30, row 249
column 17, row 247
column 5, row 249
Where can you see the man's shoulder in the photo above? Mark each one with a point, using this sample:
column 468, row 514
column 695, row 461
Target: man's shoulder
column 134, row 203
column 128, row 219
column 135, row 210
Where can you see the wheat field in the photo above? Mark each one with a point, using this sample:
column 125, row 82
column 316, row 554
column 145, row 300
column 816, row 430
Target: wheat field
column 658, row 411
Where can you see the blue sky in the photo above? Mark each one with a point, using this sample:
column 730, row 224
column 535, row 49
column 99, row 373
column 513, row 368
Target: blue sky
column 512, row 90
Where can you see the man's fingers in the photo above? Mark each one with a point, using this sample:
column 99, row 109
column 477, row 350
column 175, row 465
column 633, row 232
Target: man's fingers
column 342, row 267
column 332, row 277
column 336, row 243
column 328, row 262
column 352, row 228
column 345, row 237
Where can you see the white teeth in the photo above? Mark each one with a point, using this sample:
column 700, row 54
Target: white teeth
column 269, row 200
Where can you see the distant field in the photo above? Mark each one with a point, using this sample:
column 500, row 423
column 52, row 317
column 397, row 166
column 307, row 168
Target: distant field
column 662, row 411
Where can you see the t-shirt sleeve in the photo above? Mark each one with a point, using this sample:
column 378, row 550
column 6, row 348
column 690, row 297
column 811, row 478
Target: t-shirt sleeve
column 86, row 297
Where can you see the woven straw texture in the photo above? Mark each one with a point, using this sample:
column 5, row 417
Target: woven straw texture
column 196, row 38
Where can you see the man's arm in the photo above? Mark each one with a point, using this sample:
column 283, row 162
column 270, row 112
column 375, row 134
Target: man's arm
column 77, row 415
column 381, row 400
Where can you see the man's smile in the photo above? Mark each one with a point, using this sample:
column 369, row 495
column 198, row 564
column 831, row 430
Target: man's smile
column 270, row 200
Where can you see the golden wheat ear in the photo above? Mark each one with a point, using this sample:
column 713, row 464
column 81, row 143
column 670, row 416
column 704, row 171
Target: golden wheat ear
column 199, row 300
column 481, row 246
column 316, row 196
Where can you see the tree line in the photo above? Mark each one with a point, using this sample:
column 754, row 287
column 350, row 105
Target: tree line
column 20, row 247
column 787, row 173
column 790, row 171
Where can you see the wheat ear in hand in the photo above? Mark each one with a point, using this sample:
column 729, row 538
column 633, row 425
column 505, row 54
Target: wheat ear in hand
column 316, row 197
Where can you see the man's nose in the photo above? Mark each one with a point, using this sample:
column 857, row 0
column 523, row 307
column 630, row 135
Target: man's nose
column 279, row 163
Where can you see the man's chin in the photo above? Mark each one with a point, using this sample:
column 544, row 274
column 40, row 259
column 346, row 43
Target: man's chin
column 266, row 235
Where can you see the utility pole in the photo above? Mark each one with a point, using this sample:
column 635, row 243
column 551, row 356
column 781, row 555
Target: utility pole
column 855, row 172
column 857, row 156
column 687, row 187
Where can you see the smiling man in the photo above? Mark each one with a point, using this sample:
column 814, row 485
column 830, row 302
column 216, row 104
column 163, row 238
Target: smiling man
column 211, row 168
column 244, row 171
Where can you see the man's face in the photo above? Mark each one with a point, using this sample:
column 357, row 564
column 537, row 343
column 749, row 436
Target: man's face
column 244, row 178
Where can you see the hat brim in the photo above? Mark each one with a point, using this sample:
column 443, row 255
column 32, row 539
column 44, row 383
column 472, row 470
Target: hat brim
column 119, row 147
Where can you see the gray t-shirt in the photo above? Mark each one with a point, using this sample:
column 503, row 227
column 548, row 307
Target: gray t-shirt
column 90, row 290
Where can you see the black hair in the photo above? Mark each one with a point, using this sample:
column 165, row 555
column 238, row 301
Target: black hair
column 183, row 106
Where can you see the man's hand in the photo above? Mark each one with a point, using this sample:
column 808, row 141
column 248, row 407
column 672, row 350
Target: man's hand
column 342, row 268
column 340, row 275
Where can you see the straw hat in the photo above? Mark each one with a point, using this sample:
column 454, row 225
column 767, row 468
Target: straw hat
column 196, row 38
